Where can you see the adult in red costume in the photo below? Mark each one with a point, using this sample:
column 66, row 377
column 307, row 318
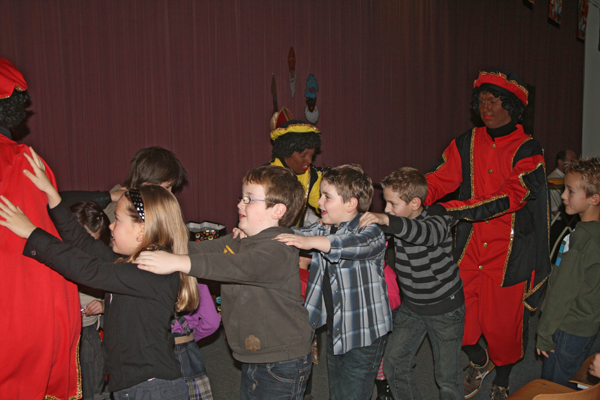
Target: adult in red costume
column 40, row 319
column 502, row 236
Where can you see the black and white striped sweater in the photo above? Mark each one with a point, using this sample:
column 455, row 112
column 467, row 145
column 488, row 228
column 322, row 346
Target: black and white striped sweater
column 429, row 278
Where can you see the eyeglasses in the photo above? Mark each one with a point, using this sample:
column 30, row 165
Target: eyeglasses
column 247, row 200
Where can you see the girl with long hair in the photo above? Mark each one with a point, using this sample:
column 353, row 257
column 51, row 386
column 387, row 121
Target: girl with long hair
column 139, row 305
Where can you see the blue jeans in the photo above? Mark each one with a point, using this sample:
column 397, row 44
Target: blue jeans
column 155, row 389
column 569, row 354
column 445, row 333
column 275, row 381
column 352, row 375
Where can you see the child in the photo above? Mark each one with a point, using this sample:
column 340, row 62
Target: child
column 353, row 300
column 188, row 329
column 570, row 313
column 155, row 165
column 265, row 322
column 433, row 301
column 93, row 368
column 139, row 307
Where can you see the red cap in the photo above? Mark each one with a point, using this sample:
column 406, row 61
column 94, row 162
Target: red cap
column 504, row 83
column 10, row 79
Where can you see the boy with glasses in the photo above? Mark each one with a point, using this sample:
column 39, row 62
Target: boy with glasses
column 262, row 309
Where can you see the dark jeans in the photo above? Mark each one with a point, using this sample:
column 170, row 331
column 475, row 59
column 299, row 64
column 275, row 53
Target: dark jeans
column 445, row 333
column 275, row 381
column 352, row 375
column 569, row 354
column 155, row 389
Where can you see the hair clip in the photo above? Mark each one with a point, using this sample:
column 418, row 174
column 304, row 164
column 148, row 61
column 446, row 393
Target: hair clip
column 138, row 203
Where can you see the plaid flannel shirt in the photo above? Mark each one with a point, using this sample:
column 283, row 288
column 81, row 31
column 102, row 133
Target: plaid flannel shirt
column 355, row 268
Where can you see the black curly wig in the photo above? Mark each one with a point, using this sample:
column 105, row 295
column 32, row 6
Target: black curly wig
column 12, row 109
column 510, row 102
column 284, row 146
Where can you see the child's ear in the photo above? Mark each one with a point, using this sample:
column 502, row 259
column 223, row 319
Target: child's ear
column 594, row 199
column 415, row 203
column 141, row 228
column 279, row 210
column 351, row 204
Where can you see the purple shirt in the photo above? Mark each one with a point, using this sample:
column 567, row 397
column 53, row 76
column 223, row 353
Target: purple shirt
column 204, row 320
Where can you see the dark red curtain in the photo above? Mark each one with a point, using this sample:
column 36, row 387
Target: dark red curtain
column 109, row 77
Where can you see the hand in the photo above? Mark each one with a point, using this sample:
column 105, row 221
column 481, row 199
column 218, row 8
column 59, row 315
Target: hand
column 595, row 366
column 237, row 232
column 40, row 179
column 15, row 220
column 369, row 218
column 545, row 353
column 116, row 195
column 320, row 243
column 94, row 308
column 163, row 263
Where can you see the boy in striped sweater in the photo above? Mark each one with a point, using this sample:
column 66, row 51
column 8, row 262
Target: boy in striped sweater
column 432, row 294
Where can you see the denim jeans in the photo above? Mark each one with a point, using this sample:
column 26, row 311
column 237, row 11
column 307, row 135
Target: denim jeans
column 445, row 333
column 275, row 381
column 155, row 389
column 352, row 375
column 191, row 363
column 569, row 354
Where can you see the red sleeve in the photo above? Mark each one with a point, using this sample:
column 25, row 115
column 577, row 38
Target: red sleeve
column 446, row 177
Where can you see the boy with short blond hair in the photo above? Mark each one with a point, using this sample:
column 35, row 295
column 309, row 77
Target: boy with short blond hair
column 346, row 288
column 433, row 301
column 570, row 314
column 262, row 309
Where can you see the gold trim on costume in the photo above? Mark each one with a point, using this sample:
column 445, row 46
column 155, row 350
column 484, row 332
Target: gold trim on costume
column 79, row 388
column 441, row 164
column 299, row 128
column 500, row 74
column 510, row 244
column 532, row 291
column 466, row 245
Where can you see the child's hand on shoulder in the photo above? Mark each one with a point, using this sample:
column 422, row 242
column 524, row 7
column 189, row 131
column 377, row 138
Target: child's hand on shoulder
column 163, row 263
column 238, row 233
column 39, row 178
column 320, row 243
column 373, row 218
column 15, row 219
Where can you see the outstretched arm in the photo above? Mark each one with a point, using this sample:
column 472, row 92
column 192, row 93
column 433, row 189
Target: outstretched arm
column 163, row 263
column 320, row 243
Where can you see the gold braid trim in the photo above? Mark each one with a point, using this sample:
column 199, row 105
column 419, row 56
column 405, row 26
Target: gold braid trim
column 466, row 245
column 79, row 389
column 532, row 291
column 298, row 128
column 510, row 244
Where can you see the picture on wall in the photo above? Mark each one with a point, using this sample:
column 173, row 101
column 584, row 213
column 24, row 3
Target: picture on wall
column 582, row 12
column 555, row 12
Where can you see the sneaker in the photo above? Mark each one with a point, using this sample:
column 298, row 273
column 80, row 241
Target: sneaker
column 475, row 377
column 499, row 393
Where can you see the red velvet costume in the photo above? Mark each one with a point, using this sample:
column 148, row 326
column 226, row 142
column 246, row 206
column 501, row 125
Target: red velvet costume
column 502, row 239
column 40, row 317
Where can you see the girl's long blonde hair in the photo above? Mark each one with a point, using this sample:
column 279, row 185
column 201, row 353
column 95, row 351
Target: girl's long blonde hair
column 164, row 230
